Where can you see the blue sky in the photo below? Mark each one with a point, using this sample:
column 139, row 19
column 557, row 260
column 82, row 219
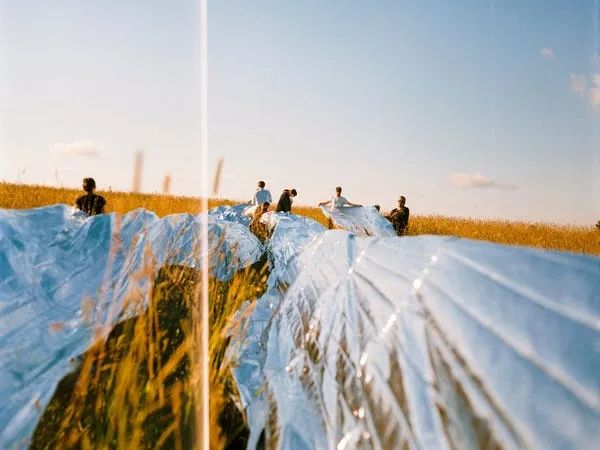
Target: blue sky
column 470, row 108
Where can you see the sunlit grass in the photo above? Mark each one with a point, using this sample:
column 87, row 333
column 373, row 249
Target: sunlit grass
column 134, row 388
column 557, row 237
column 21, row 196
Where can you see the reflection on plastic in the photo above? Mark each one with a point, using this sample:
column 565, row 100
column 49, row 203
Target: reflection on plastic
column 423, row 343
column 63, row 275
column 419, row 343
column 360, row 220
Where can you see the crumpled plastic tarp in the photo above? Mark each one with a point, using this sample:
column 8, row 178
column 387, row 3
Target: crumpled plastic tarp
column 424, row 343
column 359, row 342
column 236, row 214
column 360, row 220
column 63, row 274
column 289, row 234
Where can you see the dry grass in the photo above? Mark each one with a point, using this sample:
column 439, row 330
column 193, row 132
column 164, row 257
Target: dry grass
column 556, row 237
column 21, row 196
column 541, row 235
column 134, row 388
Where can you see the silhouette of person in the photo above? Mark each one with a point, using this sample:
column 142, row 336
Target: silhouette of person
column 399, row 217
column 90, row 203
column 285, row 201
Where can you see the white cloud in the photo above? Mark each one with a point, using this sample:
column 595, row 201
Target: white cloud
column 594, row 91
column 88, row 149
column 476, row 181
column 579, row 85
column 547, row 53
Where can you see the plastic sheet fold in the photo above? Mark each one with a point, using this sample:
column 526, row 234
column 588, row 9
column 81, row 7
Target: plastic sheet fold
column 359, row 342
column 360, row 220
column 63, row 276
column 426, row 343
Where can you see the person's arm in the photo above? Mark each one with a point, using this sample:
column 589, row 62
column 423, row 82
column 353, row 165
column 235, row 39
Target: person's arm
column 350, row 204
column 328, row 202
column 269, row 198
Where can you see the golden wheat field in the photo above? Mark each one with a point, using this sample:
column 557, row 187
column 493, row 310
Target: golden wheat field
column 557, row 237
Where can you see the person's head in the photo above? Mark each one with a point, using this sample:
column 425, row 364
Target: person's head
column 293, row 192
column 377, row 207
column 261, row 184
column 338, row 191
column 89, row 185
column 401, row 201
column 265, row 207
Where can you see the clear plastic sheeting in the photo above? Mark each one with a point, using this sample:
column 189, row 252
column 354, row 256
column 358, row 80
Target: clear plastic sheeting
column 235, row 214
column 289, row 234
column 360, row 220
column 426, row 343
column 63, row 275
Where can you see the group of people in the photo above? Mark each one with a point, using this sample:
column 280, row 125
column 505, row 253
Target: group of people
column 93, row 204
column 262, row 201
column 262, row 196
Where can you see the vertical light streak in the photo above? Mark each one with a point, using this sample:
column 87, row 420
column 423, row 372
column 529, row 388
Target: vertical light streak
column 202, row 335
column 596, row 68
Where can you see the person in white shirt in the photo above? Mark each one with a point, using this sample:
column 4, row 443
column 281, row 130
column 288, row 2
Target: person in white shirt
column 261, row 195
column 336, row 202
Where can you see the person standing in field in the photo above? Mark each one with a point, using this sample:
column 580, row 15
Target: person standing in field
column 399, row 217
column 285, row 201
column 259, row 229
column 261, row 195
column 90, row 203
column 336, row 202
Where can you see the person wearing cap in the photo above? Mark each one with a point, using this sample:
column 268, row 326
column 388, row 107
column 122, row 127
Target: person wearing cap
column 261, row 195
column 399, row 217
column 90, row 203
column 285, row 200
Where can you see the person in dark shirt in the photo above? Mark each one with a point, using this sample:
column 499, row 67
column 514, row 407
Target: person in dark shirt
column 399, row 217
column 90, row 203
column 285, row 201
